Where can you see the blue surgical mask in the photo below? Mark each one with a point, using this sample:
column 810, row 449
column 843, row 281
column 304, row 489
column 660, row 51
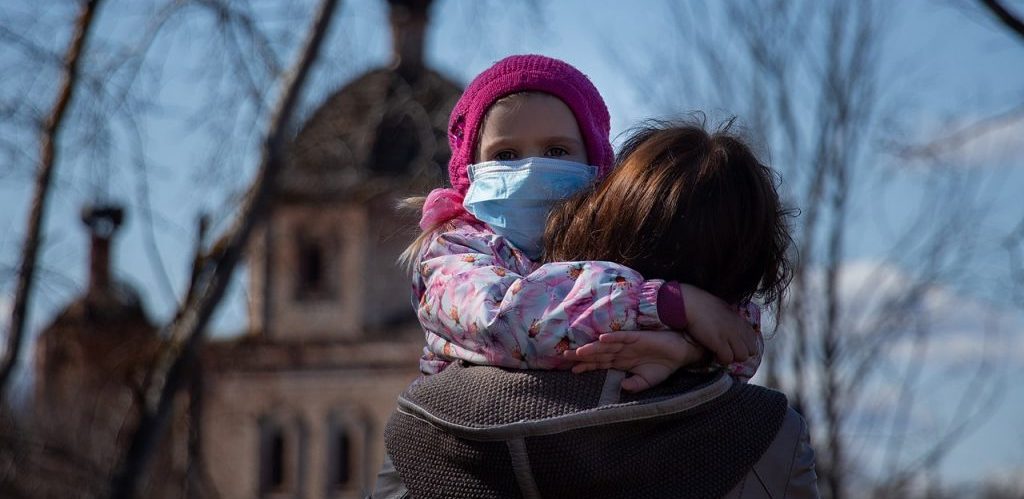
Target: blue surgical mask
column 514, row 197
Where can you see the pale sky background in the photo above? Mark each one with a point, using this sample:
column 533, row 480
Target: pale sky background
column 946, row 59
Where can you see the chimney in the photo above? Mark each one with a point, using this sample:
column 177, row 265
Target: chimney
column 101, row 222
column 408, row 28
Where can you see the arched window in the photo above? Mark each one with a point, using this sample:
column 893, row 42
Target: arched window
column 313, row 268
column 282, row 455
column 272, row 457
column 347, row 452
column 341, row 457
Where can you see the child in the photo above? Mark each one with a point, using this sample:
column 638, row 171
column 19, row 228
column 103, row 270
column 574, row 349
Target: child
column 682, row 205
column 527, row 133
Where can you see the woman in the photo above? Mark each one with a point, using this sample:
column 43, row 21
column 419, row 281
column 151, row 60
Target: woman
column 682, row 205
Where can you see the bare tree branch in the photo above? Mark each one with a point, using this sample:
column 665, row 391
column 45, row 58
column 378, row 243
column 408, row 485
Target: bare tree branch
column 1005, row 16
column 806, row 75
column 1013, row 243
column 47, row 162
column 963, row 136
column 187, row 331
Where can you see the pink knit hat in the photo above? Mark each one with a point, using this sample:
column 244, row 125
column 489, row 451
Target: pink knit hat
column 514, row 74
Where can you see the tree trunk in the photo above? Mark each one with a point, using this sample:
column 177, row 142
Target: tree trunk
column 44, row 174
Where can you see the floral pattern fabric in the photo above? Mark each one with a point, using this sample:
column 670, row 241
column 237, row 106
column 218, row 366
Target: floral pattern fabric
column 480, row 299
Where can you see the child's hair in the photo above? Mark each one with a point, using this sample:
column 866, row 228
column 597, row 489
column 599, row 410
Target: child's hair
column 407, row 258
column 686, row 205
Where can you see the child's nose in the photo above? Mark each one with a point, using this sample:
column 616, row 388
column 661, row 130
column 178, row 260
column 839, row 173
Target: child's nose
column 534, row 152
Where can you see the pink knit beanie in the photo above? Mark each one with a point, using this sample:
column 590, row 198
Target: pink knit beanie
column 514, row 74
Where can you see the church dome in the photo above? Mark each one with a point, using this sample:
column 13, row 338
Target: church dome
column 107, row 326
column 386, row 130
column 107, row 303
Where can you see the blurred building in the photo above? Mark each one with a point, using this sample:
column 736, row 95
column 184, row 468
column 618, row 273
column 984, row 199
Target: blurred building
column 296, row 407
column 91, row 365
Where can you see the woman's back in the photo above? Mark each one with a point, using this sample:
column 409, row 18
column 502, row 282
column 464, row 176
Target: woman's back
column 475, row 431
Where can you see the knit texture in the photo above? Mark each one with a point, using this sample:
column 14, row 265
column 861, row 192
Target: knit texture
column 446, row 467
column 522, row 73
column 702, row 451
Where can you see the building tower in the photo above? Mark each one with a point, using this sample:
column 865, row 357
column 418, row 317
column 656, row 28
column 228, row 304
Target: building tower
column 103, row 341
column 91, row 366
column 296, row 407
column 325, row 261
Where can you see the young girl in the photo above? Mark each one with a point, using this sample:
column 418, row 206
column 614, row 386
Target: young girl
column 527, row 133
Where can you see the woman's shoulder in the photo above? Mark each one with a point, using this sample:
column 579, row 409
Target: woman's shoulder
column 786, row 468
column 725, row 426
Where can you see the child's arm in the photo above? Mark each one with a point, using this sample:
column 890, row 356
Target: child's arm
column 716, row 326
column 482, row 301
column 653, row 356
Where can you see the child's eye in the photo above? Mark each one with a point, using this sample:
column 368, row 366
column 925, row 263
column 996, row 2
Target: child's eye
column 505, row 155
column 556, row 152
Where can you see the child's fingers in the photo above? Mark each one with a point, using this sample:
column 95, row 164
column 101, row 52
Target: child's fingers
column 739, row 350
column 741, row 341
column 746, row 345
column 621, row 337
column 597, row 355
column 750, row 341
column 603, row 358
column 598, row 348
column 583, row 367
column 635, row 383
column 723, row 352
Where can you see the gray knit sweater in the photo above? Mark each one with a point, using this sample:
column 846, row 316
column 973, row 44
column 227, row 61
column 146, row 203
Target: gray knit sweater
column 474, row 431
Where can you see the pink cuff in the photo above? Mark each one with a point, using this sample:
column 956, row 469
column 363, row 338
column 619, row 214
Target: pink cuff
column 671, row 307
column 648, row 298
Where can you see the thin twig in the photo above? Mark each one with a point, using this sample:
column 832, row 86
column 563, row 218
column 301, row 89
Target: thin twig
column 187, row 331
column 1005, row 16
column 963, row 136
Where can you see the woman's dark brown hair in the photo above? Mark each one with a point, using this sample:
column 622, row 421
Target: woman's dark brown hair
column 686, row 205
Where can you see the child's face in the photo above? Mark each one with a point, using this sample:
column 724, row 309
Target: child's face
column 528, row 126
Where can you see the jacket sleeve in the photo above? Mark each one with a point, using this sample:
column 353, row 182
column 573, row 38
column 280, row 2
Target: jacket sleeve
column 481, row 300
column 745, row 370
column 803, row 480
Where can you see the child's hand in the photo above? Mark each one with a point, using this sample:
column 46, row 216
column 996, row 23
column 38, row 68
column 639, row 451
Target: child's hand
column 650, row 356
column 716, row 326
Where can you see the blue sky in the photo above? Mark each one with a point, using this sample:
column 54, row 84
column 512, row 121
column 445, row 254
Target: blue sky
column 945, row 63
